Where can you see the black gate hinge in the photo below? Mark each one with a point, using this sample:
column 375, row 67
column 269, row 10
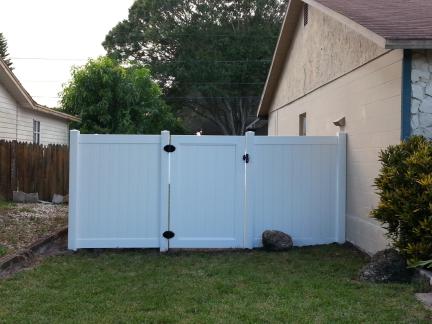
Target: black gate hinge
column 169, row 148
column 168, row 235
column 246, row 158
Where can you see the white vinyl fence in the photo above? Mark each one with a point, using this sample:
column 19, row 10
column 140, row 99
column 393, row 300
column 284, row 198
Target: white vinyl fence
column 133, row 191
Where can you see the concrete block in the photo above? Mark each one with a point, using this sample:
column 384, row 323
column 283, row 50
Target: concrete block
column 57, row 199
column 32, row 197
column 19, row 196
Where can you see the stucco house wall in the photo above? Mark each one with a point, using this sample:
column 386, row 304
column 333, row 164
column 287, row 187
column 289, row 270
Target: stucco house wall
column 16, row 123
column 336, row 73
column 322, row 50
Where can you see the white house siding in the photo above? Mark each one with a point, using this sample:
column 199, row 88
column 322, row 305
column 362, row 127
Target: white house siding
column 8, row 116
column 52, row 130
column 16, row 123
column 421, row 99
column 367, row 94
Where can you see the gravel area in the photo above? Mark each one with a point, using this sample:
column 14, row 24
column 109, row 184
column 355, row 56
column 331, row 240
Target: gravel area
column 22, row 224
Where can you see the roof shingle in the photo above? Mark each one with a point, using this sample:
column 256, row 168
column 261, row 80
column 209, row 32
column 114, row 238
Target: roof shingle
column 390, row 19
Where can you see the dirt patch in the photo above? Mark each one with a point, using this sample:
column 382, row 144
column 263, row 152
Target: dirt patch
column 23, row 224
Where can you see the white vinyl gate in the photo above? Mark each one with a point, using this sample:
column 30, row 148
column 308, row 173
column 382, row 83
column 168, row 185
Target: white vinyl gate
column 162, row 191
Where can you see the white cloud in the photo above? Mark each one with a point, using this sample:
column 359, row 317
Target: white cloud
column 62, row 29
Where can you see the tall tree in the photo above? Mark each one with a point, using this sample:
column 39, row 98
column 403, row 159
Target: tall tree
column 4, row 55
column 211, row 56
column 114, row 99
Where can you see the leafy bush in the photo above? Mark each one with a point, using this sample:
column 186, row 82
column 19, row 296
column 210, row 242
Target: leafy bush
column 405, row 189
column 114, row 99
column 425, row 264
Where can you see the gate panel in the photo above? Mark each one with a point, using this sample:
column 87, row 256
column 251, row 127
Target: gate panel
column 117, row 204
column 207, row 192
column 293, row 187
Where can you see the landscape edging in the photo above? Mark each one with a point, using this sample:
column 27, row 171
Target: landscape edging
column 14, row 262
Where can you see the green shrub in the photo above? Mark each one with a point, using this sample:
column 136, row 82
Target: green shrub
column 405, row 189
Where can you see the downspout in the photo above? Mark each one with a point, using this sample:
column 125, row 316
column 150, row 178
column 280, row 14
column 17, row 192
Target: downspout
column 406, row 94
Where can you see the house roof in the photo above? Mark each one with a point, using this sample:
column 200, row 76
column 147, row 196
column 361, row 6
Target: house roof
column 389, row 23
column 400, row 23
column 17, row 90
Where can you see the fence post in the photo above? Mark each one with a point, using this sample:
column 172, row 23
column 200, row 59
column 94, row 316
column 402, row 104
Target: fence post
column 164, row 194
column 341, row 188
column 248, row 193
column 73, row 189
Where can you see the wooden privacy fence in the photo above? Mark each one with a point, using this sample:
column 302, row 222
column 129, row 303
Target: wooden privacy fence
column 33, row 168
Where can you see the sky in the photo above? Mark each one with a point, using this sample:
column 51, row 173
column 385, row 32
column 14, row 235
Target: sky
column 46, row 38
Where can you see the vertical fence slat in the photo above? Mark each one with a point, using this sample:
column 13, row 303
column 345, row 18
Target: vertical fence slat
column 73, row 189
column 164, row 187
column 341, row 188
column 249, row 170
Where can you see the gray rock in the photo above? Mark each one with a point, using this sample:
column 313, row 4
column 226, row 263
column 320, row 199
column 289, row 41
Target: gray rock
column 426, row 105
column 32, row 197
column 19, row 196
column 420, row 75
column 426, row 299
column 276, row 241
column 386, row 266
column 418, row 91
column 415, row 106
column 415, row 123
column 57, row 199
column 429, row 90
column 425, row 119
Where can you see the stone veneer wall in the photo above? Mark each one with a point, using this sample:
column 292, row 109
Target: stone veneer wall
column 421, row 98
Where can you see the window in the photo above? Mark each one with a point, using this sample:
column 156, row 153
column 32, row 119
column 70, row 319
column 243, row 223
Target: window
column 36, row 132
column 305, row 14
column 302, row 124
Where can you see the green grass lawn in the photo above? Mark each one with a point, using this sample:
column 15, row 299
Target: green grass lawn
column 308, row 285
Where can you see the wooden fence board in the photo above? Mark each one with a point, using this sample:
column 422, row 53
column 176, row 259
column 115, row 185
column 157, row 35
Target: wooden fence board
column 33, row 168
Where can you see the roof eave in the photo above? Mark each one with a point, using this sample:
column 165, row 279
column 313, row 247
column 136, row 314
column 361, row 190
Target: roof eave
column 24, row 99
column 55, row 113
column 282, row 48
column 408, row 44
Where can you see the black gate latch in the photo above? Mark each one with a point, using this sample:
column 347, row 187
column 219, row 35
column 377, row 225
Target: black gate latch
column 246, row 158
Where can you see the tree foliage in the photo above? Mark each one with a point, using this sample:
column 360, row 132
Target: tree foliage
column 4, row 55
column 405, row 190
column 211, row 56
column 114, row 99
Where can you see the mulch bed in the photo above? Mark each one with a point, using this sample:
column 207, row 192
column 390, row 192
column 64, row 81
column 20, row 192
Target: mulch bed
column 24, row 224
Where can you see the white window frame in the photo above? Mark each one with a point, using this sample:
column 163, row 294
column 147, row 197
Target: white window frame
column 36, row 131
